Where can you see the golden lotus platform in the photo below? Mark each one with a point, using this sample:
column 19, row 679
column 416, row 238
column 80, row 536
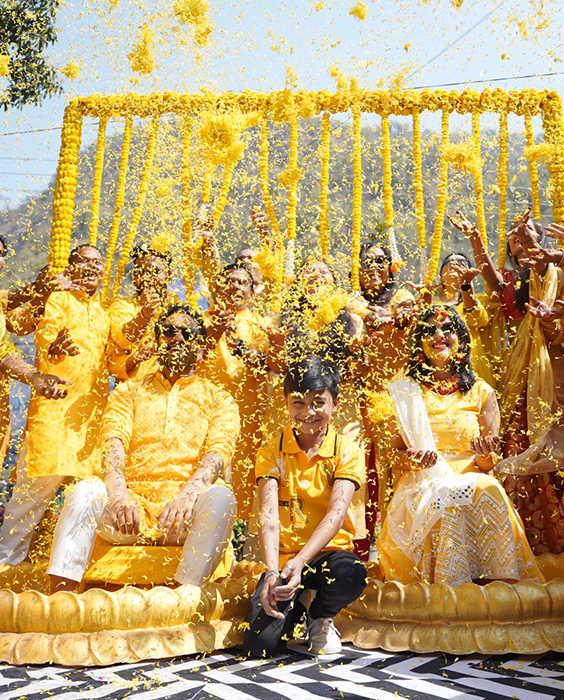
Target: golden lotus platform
column 99, row 627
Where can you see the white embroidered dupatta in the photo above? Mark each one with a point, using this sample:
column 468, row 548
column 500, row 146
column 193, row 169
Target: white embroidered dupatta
column 423, row 496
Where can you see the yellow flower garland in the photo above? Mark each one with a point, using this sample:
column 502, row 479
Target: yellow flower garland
column 139, row 204
column 293, row 175
column 324, row 183
column 224, row 193
column 357, row 200
column 442, row 198
column 418, row 180
column 551, row 112
column 186, row 181
column 118, row 206
column 533, row 169
column 478, row 181
column 65, row 189
column 387, row 172
column 264, row 181
column 502, row 182
column 97, row 181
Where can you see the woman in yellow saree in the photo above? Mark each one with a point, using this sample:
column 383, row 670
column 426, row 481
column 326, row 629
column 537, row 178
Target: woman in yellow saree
column 449, row 520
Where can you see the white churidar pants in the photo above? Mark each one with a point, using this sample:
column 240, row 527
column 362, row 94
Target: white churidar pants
column 29, row 501
column 84, row 515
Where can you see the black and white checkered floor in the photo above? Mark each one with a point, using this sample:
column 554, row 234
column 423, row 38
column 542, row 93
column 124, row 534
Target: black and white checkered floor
column 354, row 674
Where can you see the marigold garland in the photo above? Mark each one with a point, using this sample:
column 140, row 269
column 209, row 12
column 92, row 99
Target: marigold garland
column 139, row 204
column 553, row 126
column 264, row 181
column 324, row 183
column 65, row 188
column 292, row 177
column 533, row 169
column 224, row 193
column 186, row 181
column 502, row 182
column 442, row 198
column 357, row 200
column 118, row 206
column 327, row 310
column 97, row 181
column 478, row 180
column 418, row 181
column 387, row 172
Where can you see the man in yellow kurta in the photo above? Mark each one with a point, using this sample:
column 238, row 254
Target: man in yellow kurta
column 236, row 360
column 132, row 319
column 167, row 440
column 61, row 439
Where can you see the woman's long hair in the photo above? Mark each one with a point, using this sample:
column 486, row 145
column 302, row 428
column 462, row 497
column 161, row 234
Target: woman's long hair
column 417, row 366
column 385, row 295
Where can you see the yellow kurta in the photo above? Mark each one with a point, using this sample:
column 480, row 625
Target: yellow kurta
column 166, row 431
column 122, row 311
column 63, row 435
column 485, row 540
column 249, row 391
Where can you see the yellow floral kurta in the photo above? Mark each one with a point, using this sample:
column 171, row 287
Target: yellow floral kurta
column 166, row 431
column 485, row 540
column 249, row 391
column 63, row 435
column 122, row 311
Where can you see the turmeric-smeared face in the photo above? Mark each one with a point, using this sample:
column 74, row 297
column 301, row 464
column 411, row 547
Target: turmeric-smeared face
column 440, row 341
column 316, row 277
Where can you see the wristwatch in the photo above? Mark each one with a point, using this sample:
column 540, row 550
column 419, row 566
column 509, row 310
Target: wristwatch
column 466, row 287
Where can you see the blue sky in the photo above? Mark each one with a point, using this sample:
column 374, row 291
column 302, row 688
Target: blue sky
column 254, row 43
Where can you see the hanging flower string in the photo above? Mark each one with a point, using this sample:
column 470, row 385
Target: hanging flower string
column 139, row 205
column 442, row 198
column 186, row 182
column 65, row 189
column 553, row 126
column 478, row 179
column 324, row 183
column 502, row 182
column 120, row 198
column 533, row 168
column 357, row 200
column 97, row 181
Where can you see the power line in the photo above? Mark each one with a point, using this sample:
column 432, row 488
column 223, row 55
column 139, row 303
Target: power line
column 22, row 158
column 456, row 41
column 30, row 131
column 28, row 174
column 487, row 80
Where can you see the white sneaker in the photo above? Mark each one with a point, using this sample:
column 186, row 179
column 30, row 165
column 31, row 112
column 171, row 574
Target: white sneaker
column 323, row 636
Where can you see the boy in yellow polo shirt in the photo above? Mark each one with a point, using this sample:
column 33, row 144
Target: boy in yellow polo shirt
column 306, row 480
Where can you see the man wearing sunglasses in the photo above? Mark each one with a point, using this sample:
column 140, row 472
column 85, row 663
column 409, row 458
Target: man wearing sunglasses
column 168, row 438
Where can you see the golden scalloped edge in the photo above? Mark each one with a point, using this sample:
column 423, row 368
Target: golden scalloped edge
column 128, row 608
column 496, row 602
column 119, row 646
column 518, row 638
column 551, row 565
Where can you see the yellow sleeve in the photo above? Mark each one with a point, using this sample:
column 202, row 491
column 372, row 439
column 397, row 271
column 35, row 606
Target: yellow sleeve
column 351, row 463
column 401, row 296
column 478, row 318
column 269, row 462
column 6, row 346
column 483, row 392
column 121, row 312
column 224, row 426
column 117, row 359
column 117, row 421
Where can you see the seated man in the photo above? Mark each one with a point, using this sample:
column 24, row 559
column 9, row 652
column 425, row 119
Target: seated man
column 167, row 439
column 306, row 480
column 132, row 319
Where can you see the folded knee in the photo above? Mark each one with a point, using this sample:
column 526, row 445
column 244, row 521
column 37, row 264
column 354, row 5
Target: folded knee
column 221, row 499
column 352, row 572
column 87, row 493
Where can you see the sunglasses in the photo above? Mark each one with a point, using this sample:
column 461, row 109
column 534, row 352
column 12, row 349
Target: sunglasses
column 170, row 330
column 447, row 328
column 379, row 261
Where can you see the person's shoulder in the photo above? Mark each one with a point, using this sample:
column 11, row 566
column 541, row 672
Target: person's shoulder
column 481, row 391
column 402, row 294
column 347, row 448
column 123, row 303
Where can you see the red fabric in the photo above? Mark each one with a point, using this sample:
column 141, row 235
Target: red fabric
column 362, row 547
column 508, row 297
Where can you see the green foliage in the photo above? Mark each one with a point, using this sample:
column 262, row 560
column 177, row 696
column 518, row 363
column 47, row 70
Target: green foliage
column 27, row 29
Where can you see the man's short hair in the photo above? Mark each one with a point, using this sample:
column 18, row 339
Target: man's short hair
column 142, row 250
column 186, row 309
column 312, row 374
column 226, row 269
column 79, row 247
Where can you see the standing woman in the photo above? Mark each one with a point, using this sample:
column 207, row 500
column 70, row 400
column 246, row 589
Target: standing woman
column 386, row 311
column 532, row 379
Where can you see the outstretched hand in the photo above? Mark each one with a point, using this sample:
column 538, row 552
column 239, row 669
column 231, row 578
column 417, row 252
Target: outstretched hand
column 542, row 311
column 423, row 459
column 463, row 224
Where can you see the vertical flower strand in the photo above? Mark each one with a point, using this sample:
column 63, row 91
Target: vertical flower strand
column 324, row 184
column 502, row 184
column 478, row 180
column 97, row 180
column 357, row 199
column 533, row 169
column 442, row 198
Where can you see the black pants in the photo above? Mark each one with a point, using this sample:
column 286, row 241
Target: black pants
column 338, row 577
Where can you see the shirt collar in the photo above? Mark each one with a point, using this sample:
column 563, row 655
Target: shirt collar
column 327, row 449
